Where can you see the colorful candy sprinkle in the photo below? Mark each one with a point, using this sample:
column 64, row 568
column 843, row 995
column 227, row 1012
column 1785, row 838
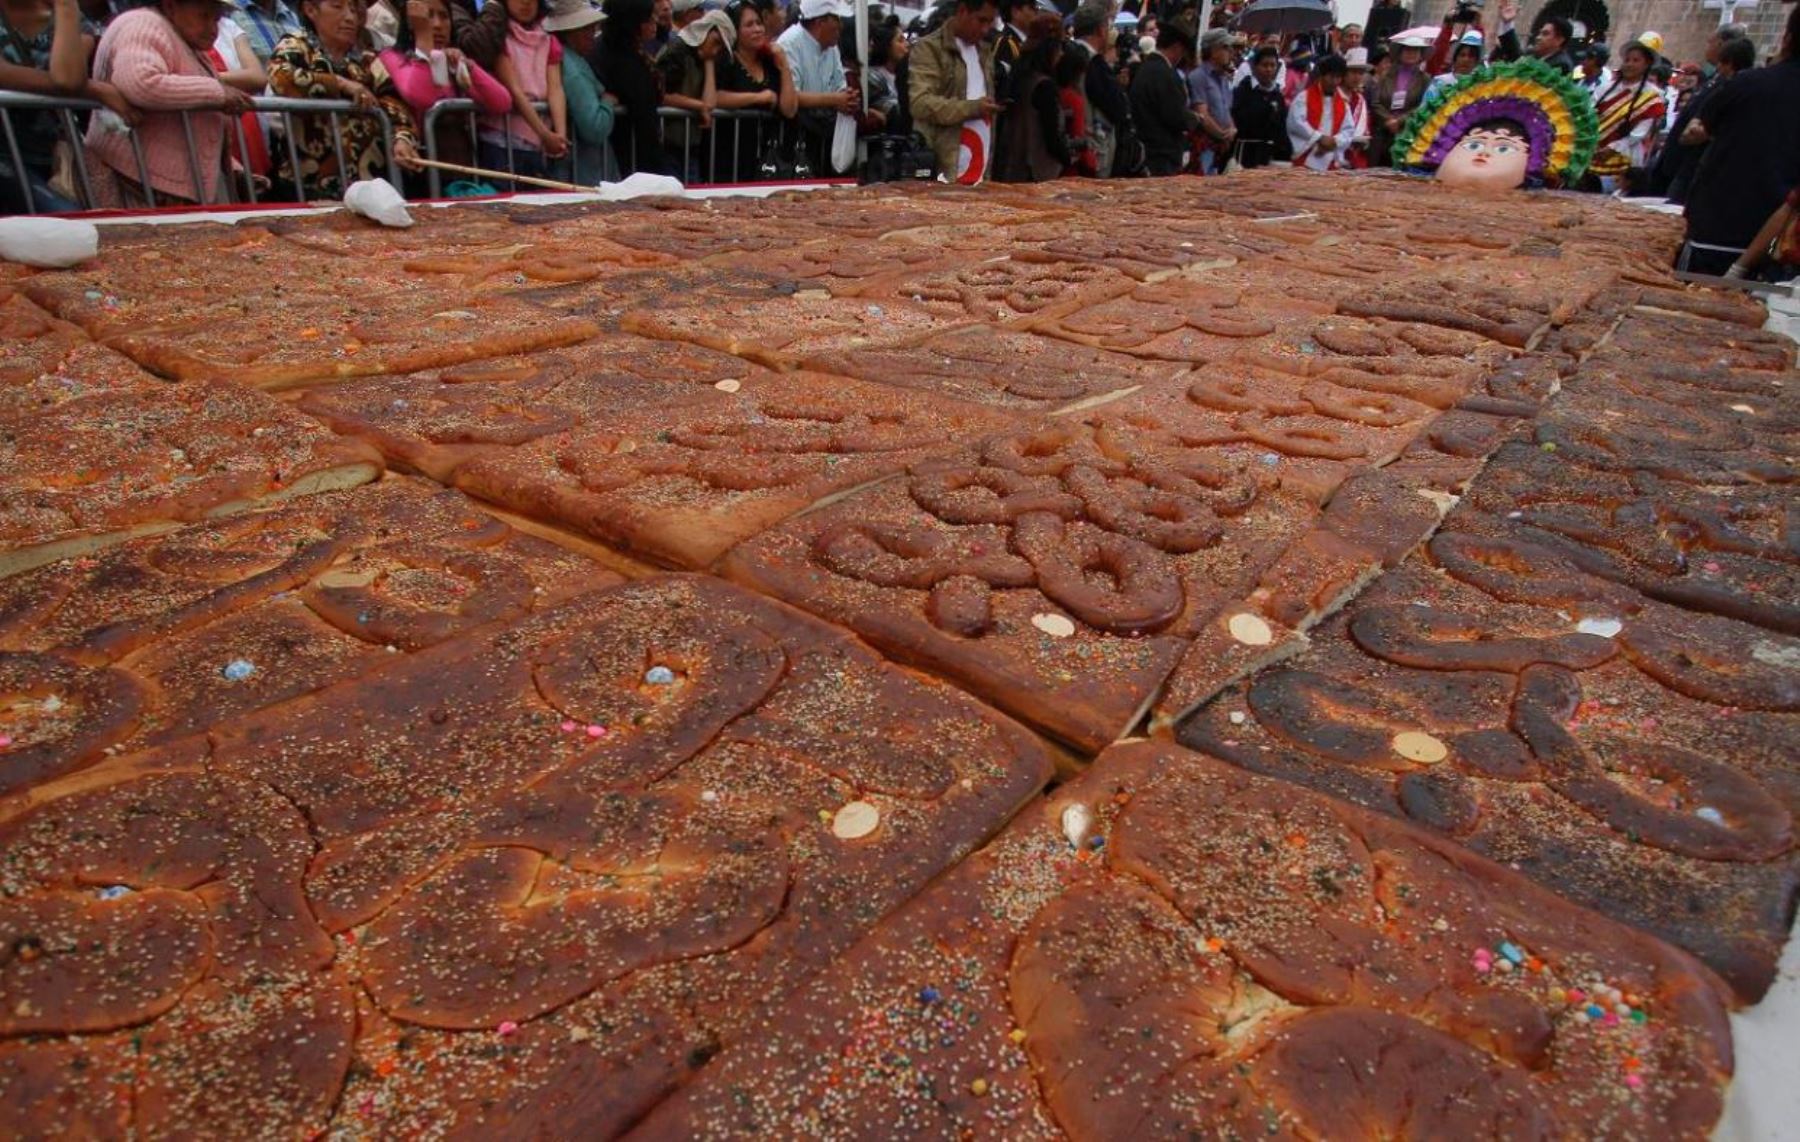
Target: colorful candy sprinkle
column 238, row 669
column 506, row 1028
column 659, row 676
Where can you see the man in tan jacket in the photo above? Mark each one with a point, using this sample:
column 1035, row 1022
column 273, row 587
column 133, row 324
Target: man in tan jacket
column 951, row 87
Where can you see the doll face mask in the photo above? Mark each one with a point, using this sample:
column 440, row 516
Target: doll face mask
column 1501, row 127
column 1490, row 156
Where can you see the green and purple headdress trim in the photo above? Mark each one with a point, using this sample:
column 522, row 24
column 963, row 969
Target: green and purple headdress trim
column 1558, row 118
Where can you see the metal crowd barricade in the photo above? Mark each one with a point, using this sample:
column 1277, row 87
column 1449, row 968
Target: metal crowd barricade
column 288, row 108
column 665, row 115
column 67, row 109
column 468, row 109
column 736, row 117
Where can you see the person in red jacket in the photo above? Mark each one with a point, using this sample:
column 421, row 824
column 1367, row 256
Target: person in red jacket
column 1071, row 92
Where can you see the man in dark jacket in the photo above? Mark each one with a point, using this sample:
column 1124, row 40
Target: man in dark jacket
column 1260, row 113
column 1549, row 43
column 1673, row 173
column 1159, row 100
column 1109, row 110
column 1752, row 159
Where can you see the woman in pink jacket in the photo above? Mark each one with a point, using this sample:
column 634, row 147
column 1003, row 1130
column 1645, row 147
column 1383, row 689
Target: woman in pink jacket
column 154, row 56
column 422, row 46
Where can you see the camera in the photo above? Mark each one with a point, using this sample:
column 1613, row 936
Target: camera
column 1467, row 12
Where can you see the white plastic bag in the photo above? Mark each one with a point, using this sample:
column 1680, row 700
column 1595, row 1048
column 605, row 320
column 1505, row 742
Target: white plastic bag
column 48, row 243
column 376, row 198
column 640, row 185
column 843, row 143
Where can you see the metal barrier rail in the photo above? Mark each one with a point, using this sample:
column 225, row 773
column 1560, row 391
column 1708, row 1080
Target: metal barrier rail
column 66, row 110
column 737, row 117
column 288, row 108
column 665, row 115
column 469, row 109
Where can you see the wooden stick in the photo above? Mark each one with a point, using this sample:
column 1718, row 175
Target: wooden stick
column 502, row 176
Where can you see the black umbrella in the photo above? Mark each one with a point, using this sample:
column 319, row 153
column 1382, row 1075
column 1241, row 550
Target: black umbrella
column 1284, row 16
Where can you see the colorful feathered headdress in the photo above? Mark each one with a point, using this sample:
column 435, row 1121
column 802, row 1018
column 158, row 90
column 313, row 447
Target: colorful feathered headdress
column 1558, row 117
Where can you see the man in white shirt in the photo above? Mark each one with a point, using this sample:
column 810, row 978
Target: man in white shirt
column 811, row 47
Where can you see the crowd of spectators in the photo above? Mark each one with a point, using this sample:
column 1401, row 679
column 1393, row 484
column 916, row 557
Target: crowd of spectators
column 739, row 90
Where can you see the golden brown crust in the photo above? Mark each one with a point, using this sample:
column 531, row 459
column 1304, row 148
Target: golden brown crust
column 623, row 813
column 1170, row 945
column 680, row 485
column 437, row 421
column 1588, row 673
column 1056, row 573
column 370, row 814
column 82, row 472
column 162, row 637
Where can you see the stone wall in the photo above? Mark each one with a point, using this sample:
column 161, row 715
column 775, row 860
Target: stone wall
column 1684, row 24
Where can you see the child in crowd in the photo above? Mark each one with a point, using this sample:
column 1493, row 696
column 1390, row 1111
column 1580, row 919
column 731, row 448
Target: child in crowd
column 1071, row 93
column 530, row 67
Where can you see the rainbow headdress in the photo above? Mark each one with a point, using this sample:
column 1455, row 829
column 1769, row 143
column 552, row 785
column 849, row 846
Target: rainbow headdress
column 1557, row 115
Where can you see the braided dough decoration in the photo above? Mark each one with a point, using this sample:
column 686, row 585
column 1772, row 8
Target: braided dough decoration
column 1169, row 946
column 170, row 635
column 160, row 917
column 991, row 366
column 1536, row 722
column 607, row 815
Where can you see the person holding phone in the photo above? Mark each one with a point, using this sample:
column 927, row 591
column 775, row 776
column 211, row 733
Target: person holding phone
column 950, row 76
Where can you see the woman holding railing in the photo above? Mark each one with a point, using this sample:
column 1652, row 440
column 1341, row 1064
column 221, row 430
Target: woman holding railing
column 327, row 61
column 591, row 110
column 154, row 56
column 756, row 77
column 426, row 70
column 44, row 51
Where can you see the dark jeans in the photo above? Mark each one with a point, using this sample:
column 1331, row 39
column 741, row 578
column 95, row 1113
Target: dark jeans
column 47, row 201
column 1163, row 165
column 525, row 161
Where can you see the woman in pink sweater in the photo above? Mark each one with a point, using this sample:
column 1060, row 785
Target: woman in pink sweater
column 153, row 55
column 425, row 34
